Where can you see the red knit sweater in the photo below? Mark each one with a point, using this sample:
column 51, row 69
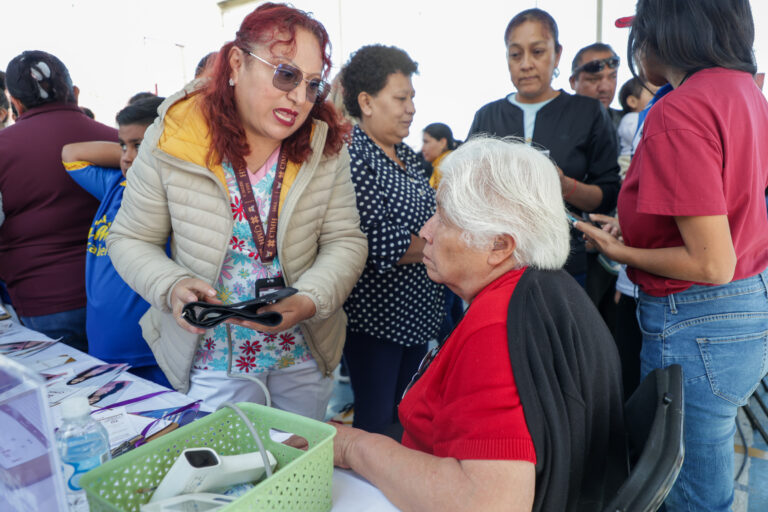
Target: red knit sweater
column 466, row 404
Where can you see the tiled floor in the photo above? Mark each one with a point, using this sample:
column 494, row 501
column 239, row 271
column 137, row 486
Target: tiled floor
column 752, row 485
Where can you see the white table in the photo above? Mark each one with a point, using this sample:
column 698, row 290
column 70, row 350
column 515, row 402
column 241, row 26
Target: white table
column 351, row 492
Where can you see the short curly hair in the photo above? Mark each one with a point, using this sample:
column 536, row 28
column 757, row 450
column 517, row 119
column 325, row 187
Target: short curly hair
column 368, row 69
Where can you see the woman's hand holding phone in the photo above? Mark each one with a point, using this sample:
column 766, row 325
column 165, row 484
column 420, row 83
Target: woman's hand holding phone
column 604, row 234
column 608, row 223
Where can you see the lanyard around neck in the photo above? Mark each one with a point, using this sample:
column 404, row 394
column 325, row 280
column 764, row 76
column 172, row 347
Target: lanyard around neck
column 266, row 244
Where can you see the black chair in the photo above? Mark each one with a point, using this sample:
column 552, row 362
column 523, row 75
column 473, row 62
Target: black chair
column 654, row 422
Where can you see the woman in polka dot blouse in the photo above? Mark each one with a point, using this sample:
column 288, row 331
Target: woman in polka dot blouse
column 394, row 309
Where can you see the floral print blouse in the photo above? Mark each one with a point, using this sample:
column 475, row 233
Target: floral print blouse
column 252, row 351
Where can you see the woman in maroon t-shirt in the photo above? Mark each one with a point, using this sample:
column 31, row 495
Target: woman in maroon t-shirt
column 693, row 219
column 47, row 215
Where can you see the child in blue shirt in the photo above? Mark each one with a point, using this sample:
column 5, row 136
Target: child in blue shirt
column 113, row 309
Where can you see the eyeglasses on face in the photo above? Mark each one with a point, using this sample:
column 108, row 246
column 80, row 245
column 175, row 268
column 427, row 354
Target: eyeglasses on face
column 595, row 66
column 287, row 78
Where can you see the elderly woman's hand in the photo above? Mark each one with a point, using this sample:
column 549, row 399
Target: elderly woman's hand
column 294, row 309
column 345, row 437
column 188, row 290
column 343, row 443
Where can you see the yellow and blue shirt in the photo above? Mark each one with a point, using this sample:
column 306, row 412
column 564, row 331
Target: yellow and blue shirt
column 113, row 309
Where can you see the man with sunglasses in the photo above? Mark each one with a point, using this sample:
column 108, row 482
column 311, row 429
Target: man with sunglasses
column 593, row 74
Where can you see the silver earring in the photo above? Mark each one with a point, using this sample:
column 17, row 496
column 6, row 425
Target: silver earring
column 231, row 82
column 556, row 72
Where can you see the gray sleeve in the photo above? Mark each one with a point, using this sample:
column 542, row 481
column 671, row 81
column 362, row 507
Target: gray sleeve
column 2, row 213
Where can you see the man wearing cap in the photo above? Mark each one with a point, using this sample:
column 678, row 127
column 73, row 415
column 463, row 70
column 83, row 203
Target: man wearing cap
column 593, row 74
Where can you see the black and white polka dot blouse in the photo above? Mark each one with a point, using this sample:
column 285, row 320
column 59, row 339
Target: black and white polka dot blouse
column 398, row 303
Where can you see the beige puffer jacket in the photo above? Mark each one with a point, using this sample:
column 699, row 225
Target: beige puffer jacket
column 170, row 190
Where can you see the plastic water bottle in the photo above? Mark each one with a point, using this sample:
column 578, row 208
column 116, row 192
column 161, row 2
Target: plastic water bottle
column 83, row 444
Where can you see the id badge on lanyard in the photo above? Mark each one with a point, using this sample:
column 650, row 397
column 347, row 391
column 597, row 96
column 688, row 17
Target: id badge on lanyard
column 268, row 285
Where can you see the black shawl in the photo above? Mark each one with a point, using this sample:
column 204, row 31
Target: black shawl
column 568, row 374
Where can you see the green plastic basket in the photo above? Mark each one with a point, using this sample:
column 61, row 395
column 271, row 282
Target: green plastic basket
column 301, row 481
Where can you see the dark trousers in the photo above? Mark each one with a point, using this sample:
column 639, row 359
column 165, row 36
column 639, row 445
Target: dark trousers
column 629, row 341
column 601, row 287
column 454, row 311
column 379, row 371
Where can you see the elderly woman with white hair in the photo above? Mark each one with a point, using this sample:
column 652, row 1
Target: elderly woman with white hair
column 520, row 408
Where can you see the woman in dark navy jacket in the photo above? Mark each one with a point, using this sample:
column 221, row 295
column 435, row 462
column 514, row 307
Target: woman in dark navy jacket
column 575, row 130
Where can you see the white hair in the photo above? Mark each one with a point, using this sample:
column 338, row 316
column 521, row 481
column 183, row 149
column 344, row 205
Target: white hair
column 492, row 186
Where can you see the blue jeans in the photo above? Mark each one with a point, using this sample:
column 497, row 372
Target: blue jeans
column 67, row 325
column 719, row 335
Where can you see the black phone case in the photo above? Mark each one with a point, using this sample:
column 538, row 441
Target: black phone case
column 206, row 315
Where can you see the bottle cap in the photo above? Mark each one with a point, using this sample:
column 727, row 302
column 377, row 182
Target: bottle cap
column 75, row 407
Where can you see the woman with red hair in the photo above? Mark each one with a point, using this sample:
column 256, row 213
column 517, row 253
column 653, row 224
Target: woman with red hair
column 247, row 171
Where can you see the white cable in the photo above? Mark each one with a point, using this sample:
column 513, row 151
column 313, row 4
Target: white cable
column 249, row 424
column 268, row 398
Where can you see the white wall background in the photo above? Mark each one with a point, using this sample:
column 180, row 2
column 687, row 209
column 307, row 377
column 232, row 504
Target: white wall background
column 115, row 48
